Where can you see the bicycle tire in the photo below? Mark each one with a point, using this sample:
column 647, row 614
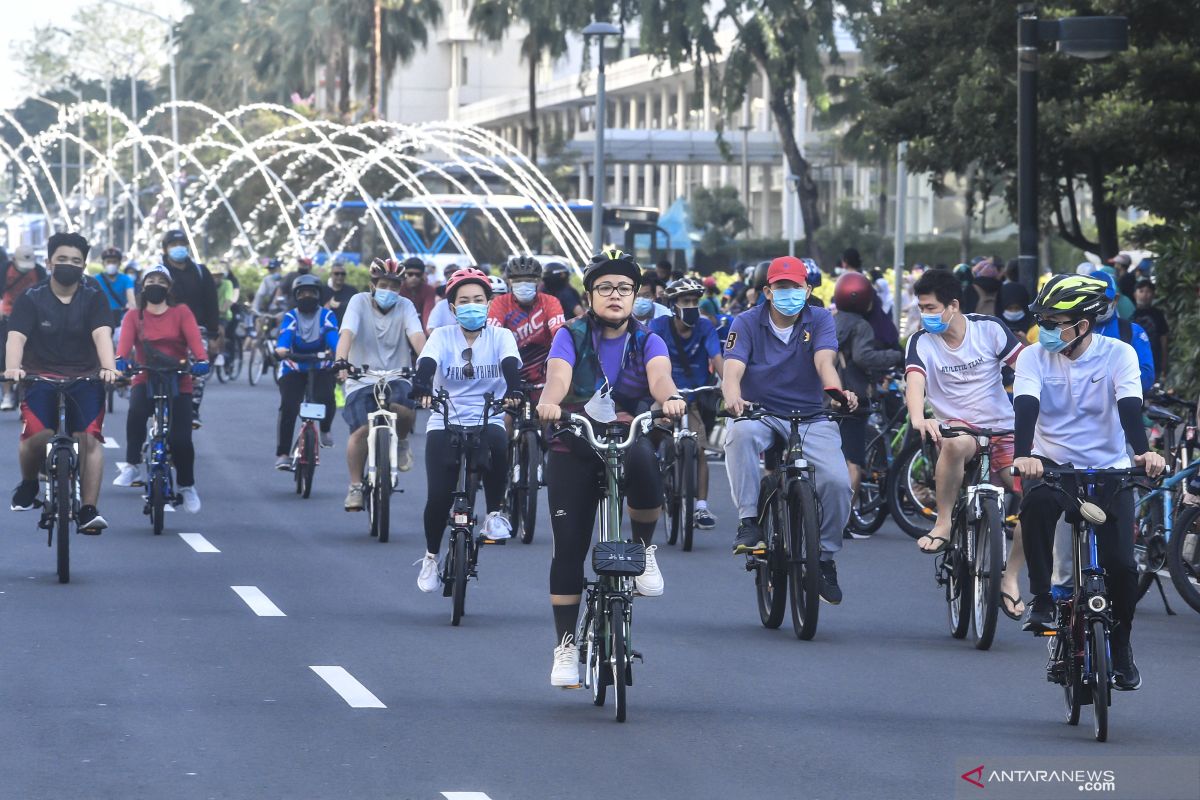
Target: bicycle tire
column 63, row 501
column 988, row 570
column 869, row 507
column 513, row 502
column 908, row 474
column 1101, row 679
column 233, row 362
column 594, row 674
column 670, row 490
column 1185, row 573
column 255, row 368
column 381, row 489
column 1073, row 688
column 222, row 377
column 1149, row 549
column 687, row 492
column 529, row 474
column 308, row 461
column 276, row 368
column 158, row 500
column 458, row 574
column 804, row 568
column 620, row 656
column 770, row 573
column 959, row 583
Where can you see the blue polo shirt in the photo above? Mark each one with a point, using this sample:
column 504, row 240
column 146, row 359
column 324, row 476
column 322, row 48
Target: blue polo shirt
column 689, row 363
column 782, row 377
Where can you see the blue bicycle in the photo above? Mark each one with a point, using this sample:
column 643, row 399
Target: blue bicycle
column 156, row 452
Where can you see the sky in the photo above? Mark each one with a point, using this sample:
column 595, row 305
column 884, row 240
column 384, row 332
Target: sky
column 21, row 17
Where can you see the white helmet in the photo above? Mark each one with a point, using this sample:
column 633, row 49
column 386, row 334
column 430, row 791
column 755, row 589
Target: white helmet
column 498, row 285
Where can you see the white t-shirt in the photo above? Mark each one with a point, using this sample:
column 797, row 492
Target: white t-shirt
column 783, row 334
column 380, row 340
column 446, row 347
column 1078, row 421
column 441, row 315
column 964, row 382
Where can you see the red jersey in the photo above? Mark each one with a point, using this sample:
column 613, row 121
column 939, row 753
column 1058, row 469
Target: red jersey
column 534, row 328
column 173, row 333
column 16, row 282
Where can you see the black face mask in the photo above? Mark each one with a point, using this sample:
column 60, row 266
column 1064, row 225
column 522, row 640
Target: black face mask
column 553, row 281
column 67, row 275
column 155, row 293
column 307, row 305
column 688, row 316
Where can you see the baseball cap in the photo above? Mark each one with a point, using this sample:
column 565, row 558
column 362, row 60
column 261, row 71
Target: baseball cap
column 24, row 256
column 1122, row 259
column 174, row 235
column 787, row 268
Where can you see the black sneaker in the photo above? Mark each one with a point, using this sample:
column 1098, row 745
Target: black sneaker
column 90, row 521
column 25, row 496
column 1126, row 677
column 1039, row 617
column 830, row 591
column 749, row 537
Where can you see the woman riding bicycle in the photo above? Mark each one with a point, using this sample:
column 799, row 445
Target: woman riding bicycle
column 307, row 329
column 609, row 367
column 161, row 335
column 469, row 361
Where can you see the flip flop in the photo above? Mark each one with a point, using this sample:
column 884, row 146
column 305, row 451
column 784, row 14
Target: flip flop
column 1005, row 599
column 944, row 544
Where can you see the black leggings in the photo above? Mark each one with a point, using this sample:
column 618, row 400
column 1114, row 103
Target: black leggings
column 574, row 485
column 183, row 454
column 291, row 395
column 441, row 471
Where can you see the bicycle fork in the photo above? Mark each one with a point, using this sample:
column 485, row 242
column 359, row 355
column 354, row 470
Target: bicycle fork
column 393, row 446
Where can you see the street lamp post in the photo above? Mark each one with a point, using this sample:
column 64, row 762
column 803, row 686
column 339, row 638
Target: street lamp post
column 599, row 30
column 1083, row 37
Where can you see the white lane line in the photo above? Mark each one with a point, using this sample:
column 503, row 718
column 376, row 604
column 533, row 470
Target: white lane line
column 198, row 543
column 465, row 796
column 110, row 443
column 259, row 603
column 354, row 693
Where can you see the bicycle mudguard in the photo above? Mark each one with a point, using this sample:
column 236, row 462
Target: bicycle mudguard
column 619, row 559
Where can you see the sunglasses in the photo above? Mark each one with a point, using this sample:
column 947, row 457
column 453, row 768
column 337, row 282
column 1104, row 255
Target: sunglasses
column 1050, row 325
column 468, row 368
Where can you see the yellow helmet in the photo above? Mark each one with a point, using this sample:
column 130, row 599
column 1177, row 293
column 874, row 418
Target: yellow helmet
column 1076, row 295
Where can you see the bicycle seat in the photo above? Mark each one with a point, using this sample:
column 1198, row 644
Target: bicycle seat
column 1160, row 414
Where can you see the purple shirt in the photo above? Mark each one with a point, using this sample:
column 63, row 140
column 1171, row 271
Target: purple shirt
column 609, row 352
column 782, row 377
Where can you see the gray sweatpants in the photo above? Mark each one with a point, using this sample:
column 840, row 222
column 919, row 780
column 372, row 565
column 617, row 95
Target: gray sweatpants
column 745, row 439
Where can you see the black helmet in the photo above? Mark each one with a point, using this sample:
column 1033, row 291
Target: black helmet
column 111, row 254
column 413, row 263
column 555, row 268
column 1074, row 295
column 684, row 287
column 306, row 281
column 274, row 263
column 760, row 275
column 612, row 262
column 523, row 267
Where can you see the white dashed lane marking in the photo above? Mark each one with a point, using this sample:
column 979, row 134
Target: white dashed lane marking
column 259, row 603
column 465, row 796
column 198, row 543
column 354, row 693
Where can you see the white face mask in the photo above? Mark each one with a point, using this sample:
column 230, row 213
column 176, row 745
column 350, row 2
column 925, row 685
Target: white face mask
column 111, row 269
column 1014, row 316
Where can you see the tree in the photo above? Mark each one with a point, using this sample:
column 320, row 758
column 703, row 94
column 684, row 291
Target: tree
column 720, row 213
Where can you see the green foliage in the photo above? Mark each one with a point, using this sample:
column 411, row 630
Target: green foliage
column 1177, row 272
column 720, row 213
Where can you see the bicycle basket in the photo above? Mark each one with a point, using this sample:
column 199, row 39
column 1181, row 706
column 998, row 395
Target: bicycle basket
column 619, row 559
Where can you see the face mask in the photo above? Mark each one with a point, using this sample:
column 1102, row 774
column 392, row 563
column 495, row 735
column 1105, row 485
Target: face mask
column 1014, row 316
column 601, row 407
column 66, row 275
column 307, row 305
column 1052, row 340
column 155, row 293
column 471, row 315
column 642, row 306
column 524, row 291
column 177, row 253
column 554, row 281
column 788, row 302
column 934, row 323
column 1107, row 315
column 23, row 268
column 111, row 269
column 688, row 316
column 386, row 298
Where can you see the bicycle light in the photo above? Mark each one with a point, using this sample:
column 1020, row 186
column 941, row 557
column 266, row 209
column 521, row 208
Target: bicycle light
column 1097, row 603
column 1093, row 513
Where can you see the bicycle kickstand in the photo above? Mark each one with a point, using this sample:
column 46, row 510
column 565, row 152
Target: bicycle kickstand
column 1163, row 595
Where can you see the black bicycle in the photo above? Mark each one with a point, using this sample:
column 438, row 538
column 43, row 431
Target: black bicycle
column 679, row 459
column 235, row 346
column 163, row 385
column 260, row 341
column 525, row 453
column 887, row 428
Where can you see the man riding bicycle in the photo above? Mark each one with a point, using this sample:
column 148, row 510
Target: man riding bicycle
column 192, row 285
column 696, row 361
column 532, row 316
column 1078, row 401
column 781, row 356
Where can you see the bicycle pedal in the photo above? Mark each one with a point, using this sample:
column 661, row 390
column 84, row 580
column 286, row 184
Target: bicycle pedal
column 634, row 654
column 484, row 540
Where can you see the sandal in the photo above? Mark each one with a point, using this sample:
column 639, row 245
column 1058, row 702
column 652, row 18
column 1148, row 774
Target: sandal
column 933, row 552
column 1005, row 599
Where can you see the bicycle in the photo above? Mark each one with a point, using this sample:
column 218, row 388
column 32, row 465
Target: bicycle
column 678, row 457
column 911, row 489
column 306, row 453
column 163, row 385
column 525, row 466
column 605, row 632
column 380, row 474
column 1080, row 653
column 971, row 566
column 261, row 343
column 886, row 435
column 462, row 557
column 235, row 347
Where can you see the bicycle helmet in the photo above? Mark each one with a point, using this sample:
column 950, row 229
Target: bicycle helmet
column 523, row 267
column 386, row 268
column 498, row 284
column 274, row 263
column 1075, row 295
column 853, row 292
column 306, row 282
column 468, row 275
column 683, row 287
column 759, row 279
column 556, row 268
column 814, row 272
column 111, row 254
column 612, row 262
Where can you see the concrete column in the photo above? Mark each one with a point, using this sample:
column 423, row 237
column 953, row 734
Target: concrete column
column 648, row 185
column 682, row 182
column 583, row 181
column 724, row 176
column 706, row 124
column 665, row 195
column 765, row 223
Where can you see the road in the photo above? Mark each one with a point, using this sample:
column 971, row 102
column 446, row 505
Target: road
column 149, row 676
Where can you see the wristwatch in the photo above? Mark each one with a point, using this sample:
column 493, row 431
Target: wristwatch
column 675, row 397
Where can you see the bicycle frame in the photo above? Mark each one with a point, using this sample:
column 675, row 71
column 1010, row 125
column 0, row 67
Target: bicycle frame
column 61, row 445
column 383, row 417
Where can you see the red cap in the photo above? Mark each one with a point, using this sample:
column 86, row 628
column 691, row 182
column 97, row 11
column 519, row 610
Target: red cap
column 787, row 268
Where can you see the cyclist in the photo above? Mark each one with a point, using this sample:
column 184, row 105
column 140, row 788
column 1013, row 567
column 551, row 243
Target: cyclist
column 266, row 299
column 781, row 355
column 382, row 330
column 532, row 316
column 955, row 362
column 116, row 287
column 696, row 361
column 646, row 306
column 417, row 289
column 608, row 366
column 306, row 329
column 193, row 286
column 556, row 282
column 340, row 292
column 710, row 303
column 1110, row 323
column 304, row 267
column 15, row 277
column 162, row 336
column 469, row 360
column 1078, row 401
column 62, row 327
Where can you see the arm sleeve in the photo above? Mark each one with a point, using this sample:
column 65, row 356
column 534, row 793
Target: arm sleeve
column 287, row 331
column 1025, row 410
column 1128, row 372
column 712, row 343
column 352, row 315
column 1027, row 381
column 412, row 321
column 1129, row 409
column 331, row 330
column 208, row 294
column 562, row 348
column 1008, row 346
column 863, row 352
column 511, row 368
column 423, row 380
column 260, row 298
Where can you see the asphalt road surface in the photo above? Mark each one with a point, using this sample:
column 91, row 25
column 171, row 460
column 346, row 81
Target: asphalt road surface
column 282, row 653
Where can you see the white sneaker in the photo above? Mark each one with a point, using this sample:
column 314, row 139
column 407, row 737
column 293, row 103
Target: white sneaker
column 191, row 499
column 565, row 672
column 219, row 361
column 427, row 580
column 496, row 526
column 650, row 582
column 9, row 402
column 131, row 475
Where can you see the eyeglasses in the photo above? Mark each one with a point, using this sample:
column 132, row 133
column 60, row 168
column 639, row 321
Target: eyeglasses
column 468, row 368
column 606, row 289
column 1050, row 324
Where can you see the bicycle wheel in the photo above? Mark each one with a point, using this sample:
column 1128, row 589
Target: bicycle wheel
column 594, row 658
column 869, row 507
column 959, row 579
column 619, row 632
column 254, row 370
column 687, row 491
column 307, row 467
column 276, row 367
column 804, row 538
column 670, row 489
column 158, row 499
column 1074, row 692
column 513, row 498
column 458, row 574
column 1101, row 678
column 62, row 515
column 770, row 569
column 233, row 361
column 988, row 568
column 1183, row 556
column 1150, row 544
column 532, row 451
column 381, row 488
column 911, row 492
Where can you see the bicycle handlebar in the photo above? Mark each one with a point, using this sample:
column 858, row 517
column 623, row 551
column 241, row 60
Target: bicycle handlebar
column 1107, row 472
column 584, row 424
column 31, row 377
column 753, row 411
column 950, row 431
column 365, row 371
column 292, row 355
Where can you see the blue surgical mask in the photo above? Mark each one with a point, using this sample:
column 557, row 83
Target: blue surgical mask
column 471, row 316
column 178, row 252
column 642, row 307
column 934, row 323
column 386, row 298
column 789, row 302
column 1052, row 340
column 524, row 291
